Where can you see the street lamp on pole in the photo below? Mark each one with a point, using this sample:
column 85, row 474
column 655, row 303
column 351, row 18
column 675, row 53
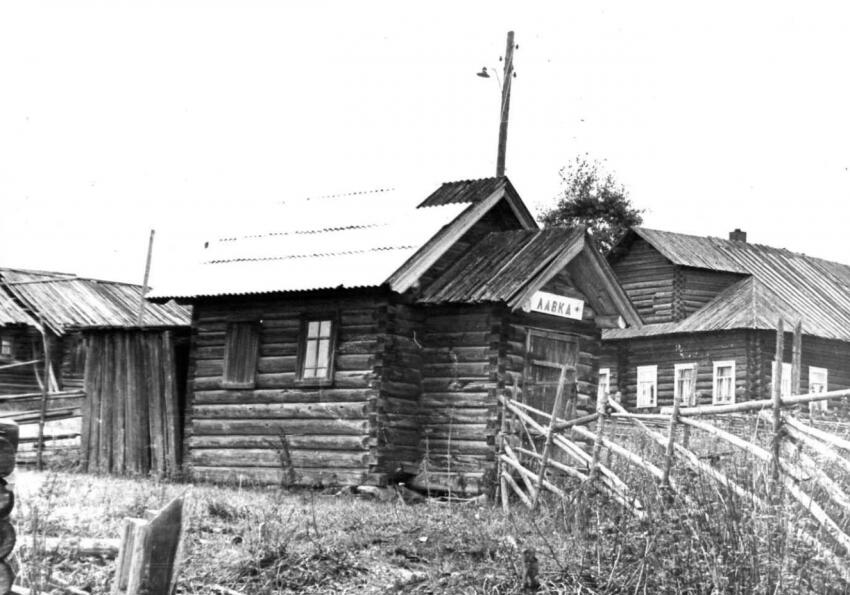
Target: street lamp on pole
column 505, row 84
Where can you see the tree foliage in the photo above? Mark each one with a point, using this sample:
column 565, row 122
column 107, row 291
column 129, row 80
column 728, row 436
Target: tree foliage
column 592, row 197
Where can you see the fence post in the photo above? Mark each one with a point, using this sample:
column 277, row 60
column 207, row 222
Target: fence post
column 796, row 358
column 557, row 411
column 671, row 440
column 777, row 402
column 601, row 411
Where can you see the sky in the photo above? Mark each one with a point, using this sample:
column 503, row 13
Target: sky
column 192, row 118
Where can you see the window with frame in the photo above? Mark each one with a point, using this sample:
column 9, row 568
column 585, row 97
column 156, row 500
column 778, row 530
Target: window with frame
column 724, row 383
column 603, row 387
column 6, row 347
column 685, row 384
column 647, row 386
column 785, row 388
column 241, row 349
column 818, row 383
column 316, row 350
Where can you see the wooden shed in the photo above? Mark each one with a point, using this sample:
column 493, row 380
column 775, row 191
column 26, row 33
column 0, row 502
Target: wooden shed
column 366, row 337
column 102, row 363
column 711, row 306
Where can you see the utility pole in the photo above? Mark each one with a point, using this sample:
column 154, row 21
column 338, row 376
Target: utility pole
column 141, row 316
column 506, row 104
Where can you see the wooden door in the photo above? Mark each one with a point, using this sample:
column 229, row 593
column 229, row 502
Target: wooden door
column 546, row 353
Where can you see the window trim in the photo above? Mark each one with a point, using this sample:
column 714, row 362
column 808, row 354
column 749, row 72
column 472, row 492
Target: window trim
column 654, row 369
column 11, row 342
column 819, row 405
column 684, row 366
column 607, row 373
column 328, row 380
column 786, row 379
column 723, row 364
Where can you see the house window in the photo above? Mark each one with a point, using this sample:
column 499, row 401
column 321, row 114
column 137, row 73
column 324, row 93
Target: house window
column 818, row 383
column 785, row 388
column 647, row 386
column 724, row 383
column 316, row 351
column 604, row 385
column 5, row 347
column 240, row 354
column 685, row 383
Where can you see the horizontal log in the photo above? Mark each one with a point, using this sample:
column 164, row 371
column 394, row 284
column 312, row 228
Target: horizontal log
column 432, row 400
column 317, row 442
column 400, row 389
column 476, row 447
column 459, row 431
column 466, row 370
column 458, row 416
column 276, row 426
column 437, row 355
column 282, row 411
column 267, row 457
column 306, row 395
column 277, row 476
column 448, row 385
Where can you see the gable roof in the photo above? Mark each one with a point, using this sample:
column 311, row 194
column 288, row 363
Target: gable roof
column 509, row 266
column 65, row 302
column 780, row 283
column 365, row 239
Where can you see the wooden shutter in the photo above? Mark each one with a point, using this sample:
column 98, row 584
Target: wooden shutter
column 240, row 354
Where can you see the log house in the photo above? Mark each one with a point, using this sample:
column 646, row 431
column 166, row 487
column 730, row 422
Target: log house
column 711, row 306
column 365, row 338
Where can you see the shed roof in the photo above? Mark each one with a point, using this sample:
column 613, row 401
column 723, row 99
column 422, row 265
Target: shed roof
column 780, row 283
column 65, row 301
column 363, row 239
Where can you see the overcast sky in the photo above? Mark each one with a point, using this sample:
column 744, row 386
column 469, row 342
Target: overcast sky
column 116, row 118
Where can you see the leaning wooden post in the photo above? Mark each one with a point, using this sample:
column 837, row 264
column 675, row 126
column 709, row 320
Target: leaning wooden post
column 8, row 449
column 503, row 436
column 671, row 441
column 796, row 358
column 777, row 401
column 601, row 411
column 45, row 340
column 557, row 411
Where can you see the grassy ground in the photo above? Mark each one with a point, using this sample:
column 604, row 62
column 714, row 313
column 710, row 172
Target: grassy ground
column 259, row 540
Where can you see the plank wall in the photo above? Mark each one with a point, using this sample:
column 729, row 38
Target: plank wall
column 623, row 357
column 280, row 431
column 647, row 278
column 26, row 346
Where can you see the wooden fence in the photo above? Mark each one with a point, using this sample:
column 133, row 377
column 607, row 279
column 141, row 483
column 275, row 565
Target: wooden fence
column 794, row 459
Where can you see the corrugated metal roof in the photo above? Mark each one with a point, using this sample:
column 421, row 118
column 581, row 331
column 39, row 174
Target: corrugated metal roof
column 465, row 191
column 781, row 283
column 349, row 240
column 500, row 265
column 11, row 313
column 66, row 302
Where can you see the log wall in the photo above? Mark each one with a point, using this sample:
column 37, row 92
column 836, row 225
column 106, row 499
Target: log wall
column 648, row 279
column 26, row 347
column 696, row 287
column 459, row 396
column 282, row 431
column 623, row 358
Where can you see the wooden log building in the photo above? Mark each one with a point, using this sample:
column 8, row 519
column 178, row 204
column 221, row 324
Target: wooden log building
column 711, row 308
column 102, row 362
column 366, row 337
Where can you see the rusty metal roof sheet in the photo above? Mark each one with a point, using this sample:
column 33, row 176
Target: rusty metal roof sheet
column 781, row 283
column 500, row 265
column 348, row 240
column 65, row 302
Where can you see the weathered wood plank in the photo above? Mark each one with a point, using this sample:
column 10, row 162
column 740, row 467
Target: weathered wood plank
column 275, row 426
column 282, row 411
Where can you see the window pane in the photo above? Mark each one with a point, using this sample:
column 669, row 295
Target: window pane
column 324, row 353
column 310, row 355
column 313, row 329
column 325, row 328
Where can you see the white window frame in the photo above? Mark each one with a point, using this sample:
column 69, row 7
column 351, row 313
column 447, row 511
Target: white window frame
column 714, row 386
column 7, row 347
column 814, row 371
column 785, row 389
column 603, row 373
column 676, row 391
column 650, row 379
